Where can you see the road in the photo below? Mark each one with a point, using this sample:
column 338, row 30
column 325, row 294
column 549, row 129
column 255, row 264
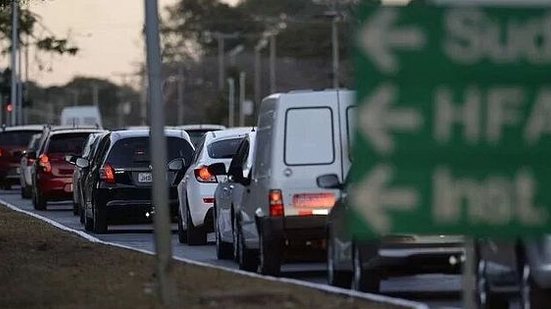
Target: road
column 439, row 291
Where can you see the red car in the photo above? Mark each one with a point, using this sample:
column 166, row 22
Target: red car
column 52, row 176
column 13, row 141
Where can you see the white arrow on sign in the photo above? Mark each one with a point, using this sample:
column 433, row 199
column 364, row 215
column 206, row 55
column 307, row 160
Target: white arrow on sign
column 378, row 39
column 377, row 119
column 373, row 198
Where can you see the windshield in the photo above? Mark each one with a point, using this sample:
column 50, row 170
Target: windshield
column 67, row 143
column 16, row 138
column 135, row 152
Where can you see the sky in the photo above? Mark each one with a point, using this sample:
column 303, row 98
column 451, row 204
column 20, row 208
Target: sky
column 108, row 33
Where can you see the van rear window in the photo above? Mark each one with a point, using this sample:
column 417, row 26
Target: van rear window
column 309, row 138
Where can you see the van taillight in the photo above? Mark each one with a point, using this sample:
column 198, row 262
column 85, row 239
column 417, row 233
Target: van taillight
column 202, row 174
column 107, row 173
column 276, row 203
column 44, row 162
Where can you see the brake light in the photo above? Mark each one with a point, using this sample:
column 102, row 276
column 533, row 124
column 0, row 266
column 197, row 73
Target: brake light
column 276, row 203
column 202, row 174
column 44, row 162
column 107, row 173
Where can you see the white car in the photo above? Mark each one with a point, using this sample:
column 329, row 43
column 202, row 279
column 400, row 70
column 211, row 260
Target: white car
column 26, row 167
column 196, row 190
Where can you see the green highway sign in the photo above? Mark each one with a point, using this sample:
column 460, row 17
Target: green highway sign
column 454, row 127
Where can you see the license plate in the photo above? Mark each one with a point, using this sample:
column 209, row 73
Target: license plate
column 18, row 170
column 144, row 177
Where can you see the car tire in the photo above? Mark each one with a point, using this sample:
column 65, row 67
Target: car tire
column 81, row 214
column 182, row 234
column 224, row 250
column 270, row 255
column 196, row 236
column 364, row 280
column 26, row 192
column 76, row 208
column 248, row 258
column 100, row 219
column 486, row 299
column 88, row 222
column 533, row 296
column 39, row 202
column 235, row 236
column 335, row 277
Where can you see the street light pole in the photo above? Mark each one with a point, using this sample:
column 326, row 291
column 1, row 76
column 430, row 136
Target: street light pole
column 258, row 71
column 231, row 102
column 181, row 85
column 335, row 41
column 241, row 99
column 273, row 62
column 14, row 69
column 163, row 233
column 221, row 65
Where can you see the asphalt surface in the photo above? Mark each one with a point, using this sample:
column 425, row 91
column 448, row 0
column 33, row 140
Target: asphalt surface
column 438, row 290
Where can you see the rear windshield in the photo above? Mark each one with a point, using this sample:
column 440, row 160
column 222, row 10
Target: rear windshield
column 224, row 149
column 196, row 136
column 309, row 136
column 135, row 152
column 16, row 138
column 67, row 143
column 33, row 144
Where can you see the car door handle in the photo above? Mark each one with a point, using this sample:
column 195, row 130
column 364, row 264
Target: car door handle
column 226, row 189
column 231, row 187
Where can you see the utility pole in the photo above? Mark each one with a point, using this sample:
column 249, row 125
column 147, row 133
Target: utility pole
column 335, row 44
column 273, row 63
column 95, row 94
column 181, row 85
column 241, row 99
column 14, row 69
column 163, row 233
column 221, row 37
column 231, row 102
column 258, row 71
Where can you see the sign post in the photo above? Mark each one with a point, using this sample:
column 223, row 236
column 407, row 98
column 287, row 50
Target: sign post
column 454, row 128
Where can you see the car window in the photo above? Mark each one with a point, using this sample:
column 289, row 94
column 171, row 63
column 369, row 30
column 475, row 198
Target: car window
column 199, row 149
column 309, row 136
column 33, row 144
column 70, row 143
column 134, row 151
column 240, row 156
column 16, row 138
column 224, row 149
column 351, row 126
column 88, row 146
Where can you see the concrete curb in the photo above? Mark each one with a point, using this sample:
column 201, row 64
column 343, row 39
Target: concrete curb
column 321, row 287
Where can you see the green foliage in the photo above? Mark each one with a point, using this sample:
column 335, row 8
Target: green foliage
column 27, row 27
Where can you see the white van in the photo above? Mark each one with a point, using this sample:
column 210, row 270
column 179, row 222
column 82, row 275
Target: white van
column 300, row 135
column 83, row 116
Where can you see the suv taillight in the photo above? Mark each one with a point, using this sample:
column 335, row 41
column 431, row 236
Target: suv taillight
column 44, row 162
column 107, row 173
column 202, row 174
column 276, row 203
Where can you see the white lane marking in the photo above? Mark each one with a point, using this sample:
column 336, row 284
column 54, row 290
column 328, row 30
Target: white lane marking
column 317, row 286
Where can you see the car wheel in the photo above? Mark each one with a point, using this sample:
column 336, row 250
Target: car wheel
column 25, row 192
column 81, row 212
column 363, row 280
column 270, row 256
column 88, row 222
column 196, row 236
column 485, row 297
column 533, row 296
column 248, row 258
column 100, row 219
column 335, row 277
column 182, row 234
column 224, row 250
column 40, row 202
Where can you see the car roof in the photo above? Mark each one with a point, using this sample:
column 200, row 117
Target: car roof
column 310, row 93
column 24, row 128
column 202, row 127
column 69, row 131
column 238, row 131
column 116, row 135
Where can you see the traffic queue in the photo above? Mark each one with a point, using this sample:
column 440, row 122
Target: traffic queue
column 271, row 194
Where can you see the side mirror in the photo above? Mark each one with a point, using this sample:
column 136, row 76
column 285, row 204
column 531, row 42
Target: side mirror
column 217, row 169
column 176, row 164
column 31, row 155
column 82, row 163
column 71, row 159
column 329, row 181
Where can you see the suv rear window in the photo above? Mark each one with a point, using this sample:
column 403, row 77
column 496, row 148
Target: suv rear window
column 309, row 136
column 16, row 138
column 134, row 151
column 224, row 149
column 71, row 143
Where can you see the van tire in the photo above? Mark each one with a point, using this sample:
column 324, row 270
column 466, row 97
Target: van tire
column 247, row 258
column 270, row 255
column 196, row 236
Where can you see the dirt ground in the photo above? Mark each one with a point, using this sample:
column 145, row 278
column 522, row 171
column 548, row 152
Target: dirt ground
column 44, row 267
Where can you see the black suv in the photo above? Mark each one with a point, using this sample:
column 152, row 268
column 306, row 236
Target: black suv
column 117, row 188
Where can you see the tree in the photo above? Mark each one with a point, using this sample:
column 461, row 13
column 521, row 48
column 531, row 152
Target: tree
column 27, row 27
